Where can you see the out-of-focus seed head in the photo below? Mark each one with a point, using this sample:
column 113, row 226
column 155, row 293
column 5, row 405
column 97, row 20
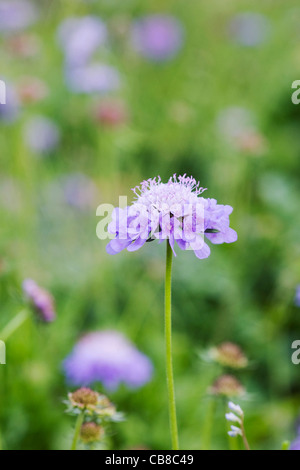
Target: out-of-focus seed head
column 93, row 405
column 83, row 397
column 229, row 355
column 227, row 386
column 91, row 432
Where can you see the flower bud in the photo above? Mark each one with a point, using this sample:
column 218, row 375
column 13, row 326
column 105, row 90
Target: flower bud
column 236, row 409
column 232, row 417
column 91, row 432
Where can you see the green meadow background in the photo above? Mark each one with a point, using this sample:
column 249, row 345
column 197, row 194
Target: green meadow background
column 243, row 293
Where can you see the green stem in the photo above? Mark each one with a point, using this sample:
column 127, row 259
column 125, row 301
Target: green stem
column 244, row 436
column 168, row 340
column 14, row 324
column 208, row 424
column 78, row 425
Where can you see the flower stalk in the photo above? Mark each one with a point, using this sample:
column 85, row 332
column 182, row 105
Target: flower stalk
column 246, row 444
column 168, row 344
column 14, row 324
column 79, row 423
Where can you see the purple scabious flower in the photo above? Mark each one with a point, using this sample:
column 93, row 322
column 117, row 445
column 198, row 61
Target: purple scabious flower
column 297, row 296
column 93, row 78
column 41, row 300
column 173, row 211
column 157, row 37
column 107, row 357
column 16, row 15
column 80, row 37
column 41, row 134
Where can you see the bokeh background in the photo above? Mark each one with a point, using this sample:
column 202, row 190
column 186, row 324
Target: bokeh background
column 89, row 115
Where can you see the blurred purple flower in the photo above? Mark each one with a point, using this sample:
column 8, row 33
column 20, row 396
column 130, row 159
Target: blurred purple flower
column 41, row 134
column 80, row 37
column 16, row 15
column 93, row 78
column 9, row 111
column 173, row 211
column 79, row 191
column 297, row 299
column 41, row 300
column 107, row 357
column 295, row 444
column 157, row 37
column 249, row 29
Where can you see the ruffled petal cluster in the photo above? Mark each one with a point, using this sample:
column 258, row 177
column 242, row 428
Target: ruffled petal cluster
column 173, row 211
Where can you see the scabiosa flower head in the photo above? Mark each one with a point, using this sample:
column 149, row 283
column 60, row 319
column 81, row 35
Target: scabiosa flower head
column 173, row 211
column 16, row 15
column 227, row 386
column 107, row 357
column 157, row 37
column 229, row 355
column 80, row 37
column 41, row 300
column 297, row 296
